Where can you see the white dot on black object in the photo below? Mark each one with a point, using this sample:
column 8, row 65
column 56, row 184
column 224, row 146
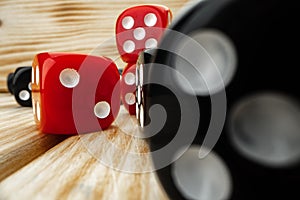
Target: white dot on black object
column 24, row 95
column 204, row 179
column 271, row 122
column 212, row 62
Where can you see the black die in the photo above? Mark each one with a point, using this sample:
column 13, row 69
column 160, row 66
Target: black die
column 19, row 84
column 257, row 155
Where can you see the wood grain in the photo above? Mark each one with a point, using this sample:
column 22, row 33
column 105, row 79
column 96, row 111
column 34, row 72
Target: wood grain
column 74, row 169
column 20, row 142
column 28, row 27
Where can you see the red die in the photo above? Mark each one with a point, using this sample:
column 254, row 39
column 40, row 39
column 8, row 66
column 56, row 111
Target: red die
column 139, row 28
column 128, row 87
column 74, row 93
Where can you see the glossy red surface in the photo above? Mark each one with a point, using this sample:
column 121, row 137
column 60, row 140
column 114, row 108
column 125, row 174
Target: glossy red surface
column 129, row 88
column 66, row 110
column 138, row 14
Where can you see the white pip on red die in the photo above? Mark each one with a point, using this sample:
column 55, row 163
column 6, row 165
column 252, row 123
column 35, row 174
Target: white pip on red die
column 128, row 88
column 139, row 28
column 74, row 93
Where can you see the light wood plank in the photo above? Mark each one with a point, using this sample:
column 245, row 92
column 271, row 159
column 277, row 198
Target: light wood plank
column 20, row 142
column 70, row 170
column 28, row 27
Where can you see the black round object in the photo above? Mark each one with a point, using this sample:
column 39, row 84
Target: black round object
column 9, row 82
column 10, row 78
column 258, row 144
column 22, row 86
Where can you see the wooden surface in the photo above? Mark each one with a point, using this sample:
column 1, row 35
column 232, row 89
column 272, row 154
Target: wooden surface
column 39, row 166
column 28, row 27
column 20, row 142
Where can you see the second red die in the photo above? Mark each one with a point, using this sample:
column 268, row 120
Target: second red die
column 139, row 28
column 128, row 88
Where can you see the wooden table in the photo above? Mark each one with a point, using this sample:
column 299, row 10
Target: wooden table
column 39, row 166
